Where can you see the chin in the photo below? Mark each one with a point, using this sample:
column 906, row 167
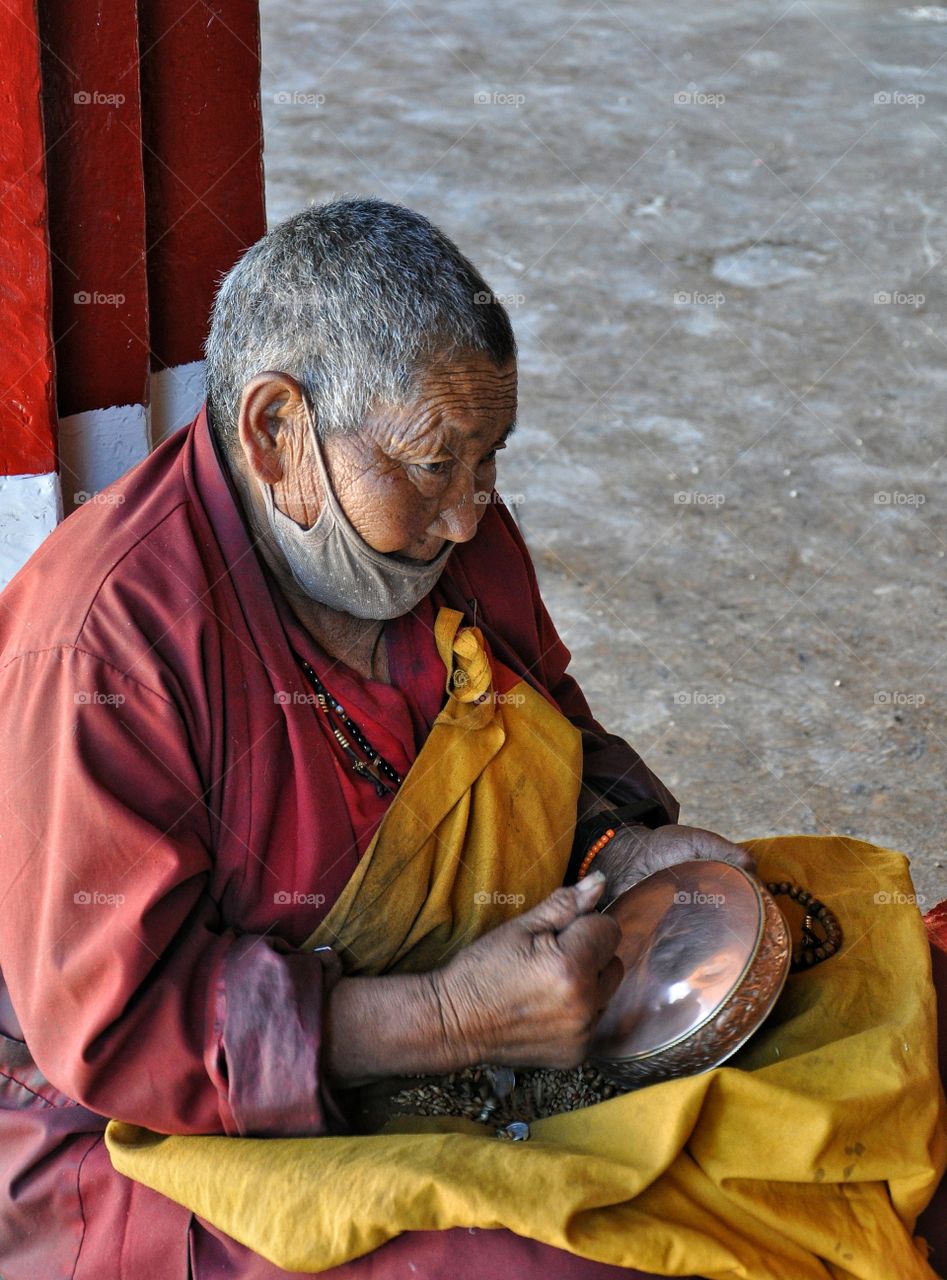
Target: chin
column 422, row 555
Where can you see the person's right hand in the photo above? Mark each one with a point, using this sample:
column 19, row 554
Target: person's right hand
column 530, row 992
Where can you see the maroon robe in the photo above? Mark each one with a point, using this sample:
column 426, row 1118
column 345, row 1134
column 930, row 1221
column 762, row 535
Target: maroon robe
column 176, row 818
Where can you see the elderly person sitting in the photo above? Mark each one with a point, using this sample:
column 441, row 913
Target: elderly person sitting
column 216, row 690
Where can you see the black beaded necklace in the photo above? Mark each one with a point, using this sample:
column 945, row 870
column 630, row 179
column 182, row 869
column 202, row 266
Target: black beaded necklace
column 386, row 778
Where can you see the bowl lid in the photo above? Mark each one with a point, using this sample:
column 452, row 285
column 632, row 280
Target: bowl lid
column 689, row 934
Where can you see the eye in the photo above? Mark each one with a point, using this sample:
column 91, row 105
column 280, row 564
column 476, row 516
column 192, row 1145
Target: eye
column 432, row 468
column 491, row 456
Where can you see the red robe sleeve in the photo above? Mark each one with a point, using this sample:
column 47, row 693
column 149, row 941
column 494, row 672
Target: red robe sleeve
column 135, row 997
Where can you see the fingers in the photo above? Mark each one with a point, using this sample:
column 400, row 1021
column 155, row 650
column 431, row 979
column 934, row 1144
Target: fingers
column 588, row 892
column 564, row 905
column 532, row 989
column 708, row 844
column 732, row 853
column 582, row 934
column 590, row 941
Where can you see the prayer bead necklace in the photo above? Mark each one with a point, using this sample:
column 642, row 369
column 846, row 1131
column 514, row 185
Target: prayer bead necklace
column 376, row 767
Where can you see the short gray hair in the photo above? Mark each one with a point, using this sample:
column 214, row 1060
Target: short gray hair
column 354, row 299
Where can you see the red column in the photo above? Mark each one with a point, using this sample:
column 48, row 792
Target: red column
column 200, row 68
column 96, row 189
column 30, row 503
column 27, row 440
column 92, row 108
column 203, row 148
column 151, row 189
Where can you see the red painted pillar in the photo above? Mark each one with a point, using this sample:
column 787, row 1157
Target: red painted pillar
column 203, row 150
column 92, row 108
column 29, row 493
column 111, row 251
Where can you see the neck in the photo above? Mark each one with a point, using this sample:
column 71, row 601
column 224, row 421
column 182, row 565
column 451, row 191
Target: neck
column 358, row 642
column 355, row 641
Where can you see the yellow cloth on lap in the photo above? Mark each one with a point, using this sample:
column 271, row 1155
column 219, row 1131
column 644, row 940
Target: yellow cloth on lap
column 808, row 1156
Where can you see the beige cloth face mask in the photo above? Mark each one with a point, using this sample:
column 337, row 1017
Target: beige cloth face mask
column 333, row 564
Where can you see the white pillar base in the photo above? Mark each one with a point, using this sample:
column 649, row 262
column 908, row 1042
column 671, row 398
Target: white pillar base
column 30, row 508
column 97, row 447
column 176, row 397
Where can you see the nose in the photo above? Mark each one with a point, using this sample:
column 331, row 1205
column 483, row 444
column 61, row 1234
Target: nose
column 457, row 522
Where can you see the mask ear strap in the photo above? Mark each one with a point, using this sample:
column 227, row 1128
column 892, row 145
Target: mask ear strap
column 328, row 493
column 269, row 499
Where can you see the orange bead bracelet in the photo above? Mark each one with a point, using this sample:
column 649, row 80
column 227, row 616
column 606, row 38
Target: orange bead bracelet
column 593, row 853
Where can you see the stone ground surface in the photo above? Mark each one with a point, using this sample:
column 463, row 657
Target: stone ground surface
column 721, row 230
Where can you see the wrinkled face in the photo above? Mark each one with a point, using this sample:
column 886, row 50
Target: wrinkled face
column 411, row 476
column 408, row 479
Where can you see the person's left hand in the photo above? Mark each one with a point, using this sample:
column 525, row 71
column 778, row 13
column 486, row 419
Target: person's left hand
column 636, row 852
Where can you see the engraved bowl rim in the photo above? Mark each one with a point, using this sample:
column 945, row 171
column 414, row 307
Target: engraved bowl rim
column 763, row 897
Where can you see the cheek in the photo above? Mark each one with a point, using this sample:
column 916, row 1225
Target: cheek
column 487, row 475
column 390, row 514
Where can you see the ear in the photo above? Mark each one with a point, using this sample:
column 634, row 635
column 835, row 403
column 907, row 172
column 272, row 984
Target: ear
column 271, row 411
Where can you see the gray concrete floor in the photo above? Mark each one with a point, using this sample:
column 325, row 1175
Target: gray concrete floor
column 731, row 312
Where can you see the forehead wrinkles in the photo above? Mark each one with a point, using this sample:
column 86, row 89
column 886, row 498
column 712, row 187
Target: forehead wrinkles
column 474, row 392
column 473, row 385
column 476, row 383
column 467, row 411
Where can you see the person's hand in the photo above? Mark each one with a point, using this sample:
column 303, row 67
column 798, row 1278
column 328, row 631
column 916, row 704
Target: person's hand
column 531, row 992
column 636, row 852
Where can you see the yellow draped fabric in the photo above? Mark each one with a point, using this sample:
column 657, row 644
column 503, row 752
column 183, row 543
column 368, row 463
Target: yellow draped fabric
column 481, row 828
column 808, row 1156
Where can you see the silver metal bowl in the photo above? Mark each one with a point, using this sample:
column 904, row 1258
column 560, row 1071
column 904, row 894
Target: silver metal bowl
column 706, row 952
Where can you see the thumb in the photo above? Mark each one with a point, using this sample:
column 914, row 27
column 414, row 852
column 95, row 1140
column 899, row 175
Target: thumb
column 564, row 905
